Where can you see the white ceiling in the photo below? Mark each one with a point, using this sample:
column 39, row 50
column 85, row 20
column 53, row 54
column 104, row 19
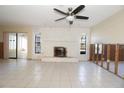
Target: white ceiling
column 44, row 16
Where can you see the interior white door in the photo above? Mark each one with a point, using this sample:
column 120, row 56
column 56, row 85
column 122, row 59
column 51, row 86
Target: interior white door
column 12, row 45
column 22, row 45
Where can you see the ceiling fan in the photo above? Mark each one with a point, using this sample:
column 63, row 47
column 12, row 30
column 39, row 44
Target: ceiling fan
column 72, row 14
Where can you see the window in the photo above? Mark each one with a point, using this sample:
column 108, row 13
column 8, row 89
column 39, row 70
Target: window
column 37, row 43
column 83, row 44
column 98, row 48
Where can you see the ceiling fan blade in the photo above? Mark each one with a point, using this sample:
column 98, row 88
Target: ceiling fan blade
column 78, row 9
column 60, row 11
column 60, row 19
column 82, row 17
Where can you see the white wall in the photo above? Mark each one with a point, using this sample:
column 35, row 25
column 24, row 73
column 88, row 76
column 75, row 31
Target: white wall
column 66, row 37
column 109, row 31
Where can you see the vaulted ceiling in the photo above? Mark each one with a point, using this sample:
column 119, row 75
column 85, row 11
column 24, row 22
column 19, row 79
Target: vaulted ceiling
column 44, row 16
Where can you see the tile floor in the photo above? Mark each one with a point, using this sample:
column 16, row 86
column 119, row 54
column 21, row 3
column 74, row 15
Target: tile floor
column 112, row 67
column 36, row 74
column 121, row 69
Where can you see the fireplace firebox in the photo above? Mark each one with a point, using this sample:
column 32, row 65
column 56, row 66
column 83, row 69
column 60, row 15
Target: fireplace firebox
column 60, row 52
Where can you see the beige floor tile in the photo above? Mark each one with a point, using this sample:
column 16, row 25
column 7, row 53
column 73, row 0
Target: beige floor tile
column 36, row 74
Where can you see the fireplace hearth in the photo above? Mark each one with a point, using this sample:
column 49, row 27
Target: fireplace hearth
column 60, row 52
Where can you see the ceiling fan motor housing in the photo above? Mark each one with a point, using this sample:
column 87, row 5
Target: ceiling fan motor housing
column 70, row 9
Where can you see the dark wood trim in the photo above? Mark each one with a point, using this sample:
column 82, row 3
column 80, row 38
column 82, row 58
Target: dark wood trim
column 16, row 45
column 94, row 57
column 1, row 50
column 110, row 52
column 121, row 52
column 108, row 55
column 116, row 58
column 102, row 56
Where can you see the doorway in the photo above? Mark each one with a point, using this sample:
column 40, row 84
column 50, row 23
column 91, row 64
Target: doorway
column 17, row 45
column 22, row 45
column 13, row 45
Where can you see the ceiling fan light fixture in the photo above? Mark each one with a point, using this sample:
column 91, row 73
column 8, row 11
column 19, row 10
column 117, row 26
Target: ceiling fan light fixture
column 70, row 18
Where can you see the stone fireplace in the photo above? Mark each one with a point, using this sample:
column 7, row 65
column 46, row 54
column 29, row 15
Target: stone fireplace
column 60, row 52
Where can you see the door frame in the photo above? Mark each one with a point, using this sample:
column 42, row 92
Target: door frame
column 6, row 44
